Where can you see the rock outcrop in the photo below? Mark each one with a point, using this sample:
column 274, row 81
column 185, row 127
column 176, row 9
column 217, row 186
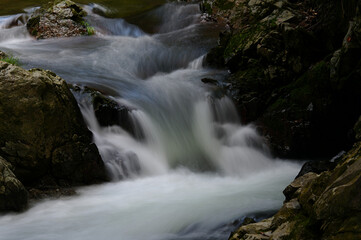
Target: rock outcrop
column 317, row 206
column 62, row 18
column 294, row 70
column 43, row 134
column 13, row 195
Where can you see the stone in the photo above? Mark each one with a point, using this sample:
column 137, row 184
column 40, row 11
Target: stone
column 283, row 231
column 44, row 133
column 292, row 190
column 108, row 111
column 342, row 196
column 59, row 19
column 253, row 230
column 13, row 196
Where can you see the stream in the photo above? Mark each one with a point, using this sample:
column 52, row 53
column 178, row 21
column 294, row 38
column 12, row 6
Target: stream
column 189, row 170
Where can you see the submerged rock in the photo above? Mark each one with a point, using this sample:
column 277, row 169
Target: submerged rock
column 13, row 196
column 62, row 18
column 107, row 110
column 44, row 135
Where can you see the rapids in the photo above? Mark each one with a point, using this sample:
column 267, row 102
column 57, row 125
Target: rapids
column 193, row 170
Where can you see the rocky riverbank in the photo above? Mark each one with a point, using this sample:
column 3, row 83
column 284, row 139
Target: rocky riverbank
column 317, row 206
column 294, row 70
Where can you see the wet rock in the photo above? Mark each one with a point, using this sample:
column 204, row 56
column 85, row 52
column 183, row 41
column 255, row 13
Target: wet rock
column 209, row 81
column 316, row 167
column 109, row 112
column 13, row 196
column 294, row 189
column 44, row 134
column 59, row 19
column 50, row 193
column 342, row 196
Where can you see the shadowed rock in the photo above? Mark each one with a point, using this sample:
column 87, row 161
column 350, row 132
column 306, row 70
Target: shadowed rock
column 13, row 195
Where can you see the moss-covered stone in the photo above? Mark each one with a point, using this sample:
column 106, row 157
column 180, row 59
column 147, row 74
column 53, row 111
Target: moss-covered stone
column 61, row 18
column 44, row 133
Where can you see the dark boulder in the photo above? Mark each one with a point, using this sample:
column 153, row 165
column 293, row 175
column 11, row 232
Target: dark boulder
column 109, row 112
column 44, row 135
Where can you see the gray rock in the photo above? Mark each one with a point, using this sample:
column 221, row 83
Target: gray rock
column 59, row 19
column 44, row 133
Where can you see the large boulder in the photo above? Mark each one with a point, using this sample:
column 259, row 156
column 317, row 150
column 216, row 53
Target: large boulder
column 13, row 195
column 61, row 18
column 43, row 134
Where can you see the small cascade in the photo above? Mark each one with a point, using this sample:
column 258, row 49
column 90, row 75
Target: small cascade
column 110, row 26
column 13, row 21
column 212, row 140
column 197, row 63
column 175, row 16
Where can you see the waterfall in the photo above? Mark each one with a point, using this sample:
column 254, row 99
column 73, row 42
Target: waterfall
column 187, row 169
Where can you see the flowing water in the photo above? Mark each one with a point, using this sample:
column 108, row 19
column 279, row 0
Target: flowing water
column 188, row 170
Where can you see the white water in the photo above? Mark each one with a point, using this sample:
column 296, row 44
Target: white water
column 195, row 169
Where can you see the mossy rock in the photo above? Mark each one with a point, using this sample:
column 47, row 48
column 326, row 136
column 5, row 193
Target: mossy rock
column 45, row 134
column 62, row 18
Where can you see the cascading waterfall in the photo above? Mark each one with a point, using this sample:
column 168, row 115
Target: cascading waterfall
column 189, row 169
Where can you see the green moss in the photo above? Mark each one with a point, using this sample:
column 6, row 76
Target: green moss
column 224, row 4
column 305, row 228
column 250, row 79
column 206, row 7
column 12, row 60
column 90, row 30
column 244, row 38
column 313, row 87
